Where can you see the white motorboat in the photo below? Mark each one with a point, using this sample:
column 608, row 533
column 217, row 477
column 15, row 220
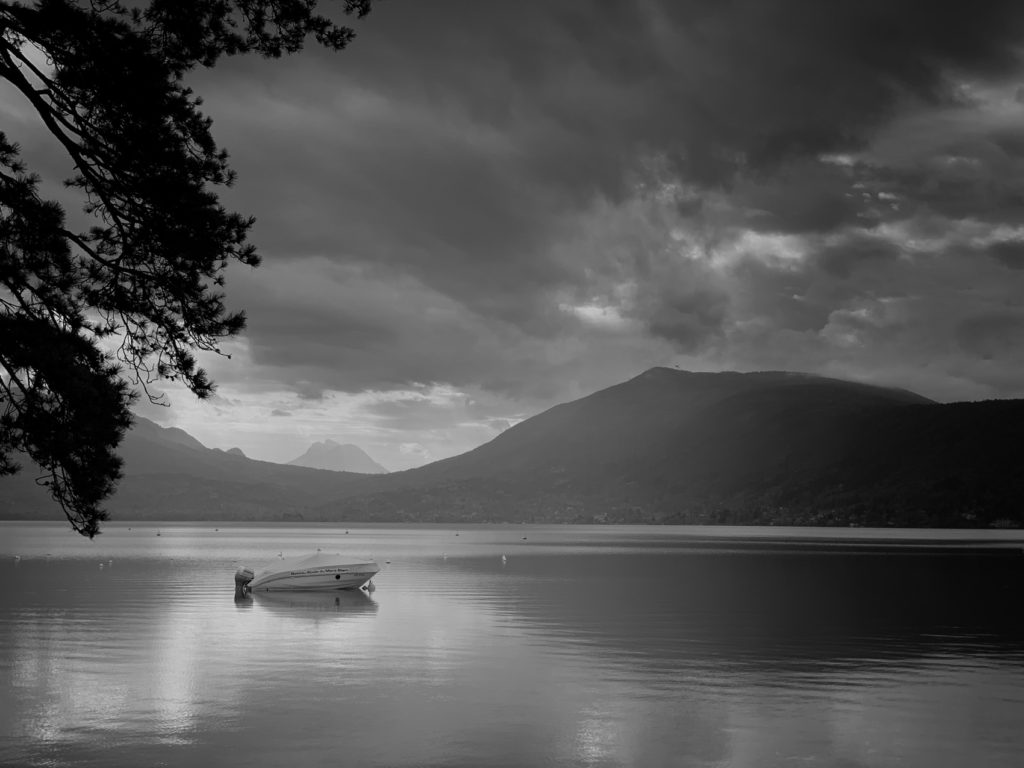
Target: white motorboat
column 317, row 572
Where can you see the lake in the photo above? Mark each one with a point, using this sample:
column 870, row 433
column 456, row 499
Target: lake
column 588, row 646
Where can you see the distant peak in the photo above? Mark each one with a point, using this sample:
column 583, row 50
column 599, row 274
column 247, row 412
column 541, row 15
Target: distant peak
column 330, row 454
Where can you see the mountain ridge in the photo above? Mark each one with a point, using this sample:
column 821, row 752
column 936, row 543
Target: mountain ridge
column 666, row 446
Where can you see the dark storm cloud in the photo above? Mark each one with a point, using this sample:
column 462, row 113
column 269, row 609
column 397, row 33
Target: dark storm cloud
column 992, row 334
column 460, row 131
column 348, row 330
column 858, row 251
column 684, row 316
column 488, row 194
column 804, row 196
column 1009, row 253
column 708, row 79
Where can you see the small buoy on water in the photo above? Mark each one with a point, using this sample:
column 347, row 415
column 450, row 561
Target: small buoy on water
column 504, row 559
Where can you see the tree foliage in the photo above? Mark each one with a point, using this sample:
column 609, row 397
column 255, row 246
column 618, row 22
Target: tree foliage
column 86, row 313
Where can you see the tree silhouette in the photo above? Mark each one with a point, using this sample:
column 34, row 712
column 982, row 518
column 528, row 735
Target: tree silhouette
column 85, row 315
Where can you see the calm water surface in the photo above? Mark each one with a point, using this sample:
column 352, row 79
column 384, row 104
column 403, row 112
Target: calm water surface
column 587, row 646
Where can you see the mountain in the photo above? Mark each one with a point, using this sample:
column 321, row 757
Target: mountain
column 338, row 458
column 149, row 430
column 170, row 475
column 768, row 447
column 665, row 447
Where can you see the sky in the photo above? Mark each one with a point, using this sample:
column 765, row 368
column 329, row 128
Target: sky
column 479, row 210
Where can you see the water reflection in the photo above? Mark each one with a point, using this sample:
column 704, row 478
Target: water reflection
column 243, row 601
column 776, row 612
column 339, row 603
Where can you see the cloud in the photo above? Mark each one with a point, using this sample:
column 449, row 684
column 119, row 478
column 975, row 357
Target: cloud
column 414, row 449
column 517, row 206
column 318, row 326
column 992, row 334
column 859, row 250
column 158, row 412
column 540, row 209
column 1009, row 253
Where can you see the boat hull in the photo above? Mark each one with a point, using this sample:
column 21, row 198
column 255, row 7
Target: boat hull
column 318, row 578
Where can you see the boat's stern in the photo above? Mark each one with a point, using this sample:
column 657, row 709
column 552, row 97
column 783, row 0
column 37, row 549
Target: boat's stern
column 243, row 577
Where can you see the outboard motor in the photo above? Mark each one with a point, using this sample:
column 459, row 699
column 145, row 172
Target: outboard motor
column 242, row 578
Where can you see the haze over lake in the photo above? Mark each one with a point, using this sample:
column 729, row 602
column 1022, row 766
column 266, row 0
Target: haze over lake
column 586, row 646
